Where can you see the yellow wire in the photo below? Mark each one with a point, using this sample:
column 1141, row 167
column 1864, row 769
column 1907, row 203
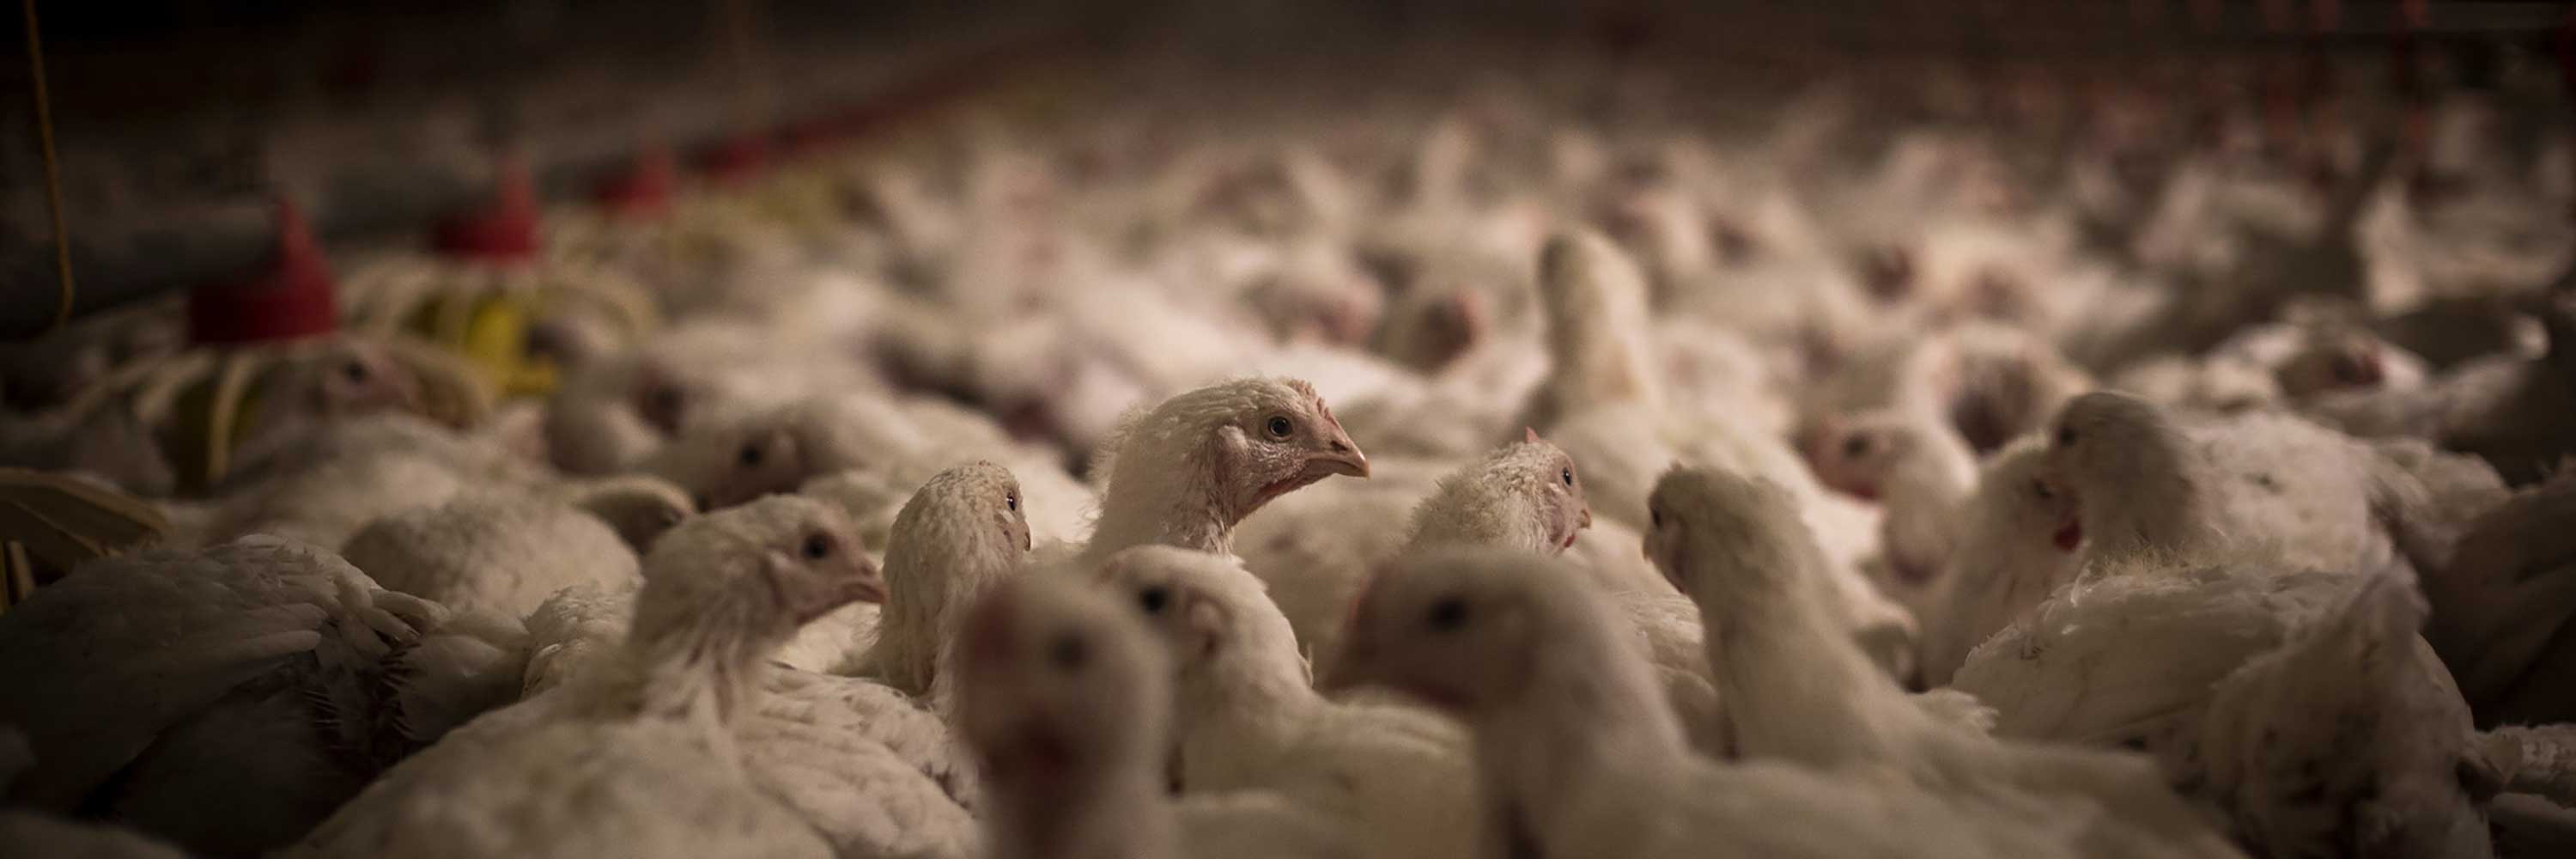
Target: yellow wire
column 53, row 171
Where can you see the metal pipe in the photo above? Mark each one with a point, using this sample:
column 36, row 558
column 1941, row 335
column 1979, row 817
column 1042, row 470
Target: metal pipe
column 173, row 249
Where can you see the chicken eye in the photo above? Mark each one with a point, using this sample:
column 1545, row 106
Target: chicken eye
column 2066, row 436
column 749, row 455
column 1448, row 614
column 2041, row 489
column 1856, row 446
column 1655, row 517
column 355, row 371
column 1153, row 599
column 1011, row 501
column 1069, row 652
column 817, row 547
column 1566, row 475
column 1280, row 427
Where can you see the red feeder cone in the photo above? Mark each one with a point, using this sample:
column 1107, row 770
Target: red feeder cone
column 736, row 159
column 645, row 190
column 505, row 231
column 293, row 298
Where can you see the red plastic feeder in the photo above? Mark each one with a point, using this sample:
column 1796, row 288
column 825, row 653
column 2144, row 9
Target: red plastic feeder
column 811, row 136
column 646, row 188
column 293, row 298
column 503, row 232
column 736, row 160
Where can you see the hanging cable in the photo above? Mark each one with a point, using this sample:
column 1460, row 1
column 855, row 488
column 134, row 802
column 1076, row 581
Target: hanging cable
column 53, row 171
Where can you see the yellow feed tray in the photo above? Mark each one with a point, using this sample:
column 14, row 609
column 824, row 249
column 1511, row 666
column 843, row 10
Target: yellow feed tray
column 484, row 313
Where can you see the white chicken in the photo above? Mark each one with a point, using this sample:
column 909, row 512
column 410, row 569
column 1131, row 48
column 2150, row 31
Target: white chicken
column 224, row 699
column 1609, row 414
column 961, row 534
column 639, row 754
column 1066, row 701
column 1316, row 551
column 1576, row 755
column 1248, row 718
column 1186, row 472
column 492, row 552
column 1061, row 362
column 1920, row 472
column 1798, row 690
column 903, row 440
column 2146, row 485
column 2500, row 594
column 2016, row 545
column 2349, row 739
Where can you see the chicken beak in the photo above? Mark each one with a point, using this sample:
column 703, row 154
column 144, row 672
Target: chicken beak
column 1583, row 521
column 1340, row 456
column 869, row 589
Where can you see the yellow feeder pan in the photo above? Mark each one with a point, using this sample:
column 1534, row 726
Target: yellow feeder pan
column 484, row 313
column 488, row 289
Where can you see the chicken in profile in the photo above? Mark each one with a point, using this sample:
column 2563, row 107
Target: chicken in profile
column 960, row 535
column 2147, row 485
column 845, row 748
column 1066, row 702
column 2017, row 543
column 1577, row 754
column 1247, row 716
column 1524, row 496
column 1184, row 473
column 637, row 758
column 1798, row 690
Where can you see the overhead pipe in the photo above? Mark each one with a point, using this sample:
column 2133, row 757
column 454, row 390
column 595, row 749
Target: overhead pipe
column 168, row 253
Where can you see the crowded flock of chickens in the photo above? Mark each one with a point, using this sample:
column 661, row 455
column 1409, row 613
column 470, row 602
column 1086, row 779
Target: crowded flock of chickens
column 1514, row 469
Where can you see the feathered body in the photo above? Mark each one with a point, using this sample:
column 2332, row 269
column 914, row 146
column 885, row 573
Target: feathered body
column 1800, row 691
column 492, row 552
column 962, row 533
column 226, row 699
column 1248, row 717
